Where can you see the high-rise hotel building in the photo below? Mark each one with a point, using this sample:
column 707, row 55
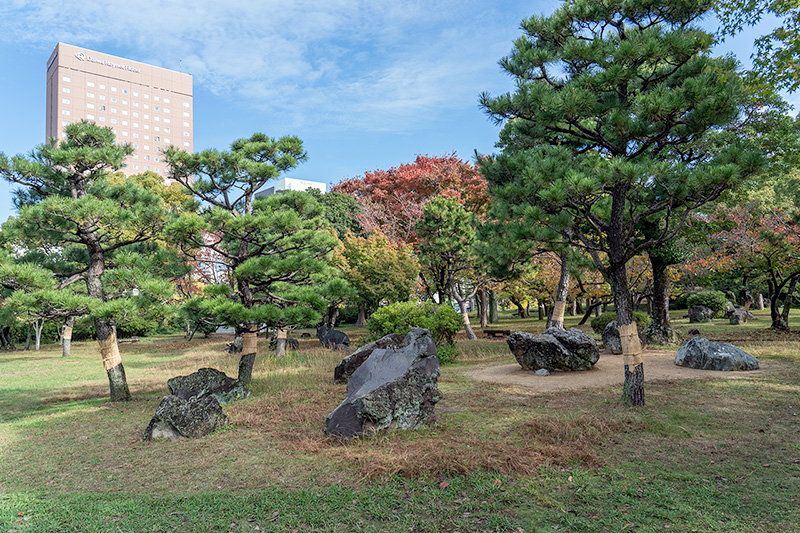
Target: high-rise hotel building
column 148, row 107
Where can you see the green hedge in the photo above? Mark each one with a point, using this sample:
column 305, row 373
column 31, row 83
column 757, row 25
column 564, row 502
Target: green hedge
column 599, row 323
column 442, row 320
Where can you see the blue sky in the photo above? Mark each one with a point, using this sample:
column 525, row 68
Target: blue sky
column 365, row 85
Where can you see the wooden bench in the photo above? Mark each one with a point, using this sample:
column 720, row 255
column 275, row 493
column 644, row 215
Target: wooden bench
column 497, row 332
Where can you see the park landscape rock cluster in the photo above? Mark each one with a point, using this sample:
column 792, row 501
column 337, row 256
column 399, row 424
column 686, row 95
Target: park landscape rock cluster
column 704, row 354
column 194, row 406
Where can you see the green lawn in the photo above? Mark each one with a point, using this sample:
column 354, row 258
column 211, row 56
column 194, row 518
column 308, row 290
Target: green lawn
column 702, row 455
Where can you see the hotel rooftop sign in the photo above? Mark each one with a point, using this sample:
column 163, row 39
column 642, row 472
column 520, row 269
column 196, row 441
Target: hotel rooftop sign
column 85, row 57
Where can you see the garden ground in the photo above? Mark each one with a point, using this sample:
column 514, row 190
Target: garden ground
column 703, row 455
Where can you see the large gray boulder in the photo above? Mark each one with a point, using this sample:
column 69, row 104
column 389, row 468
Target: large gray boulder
column 392, row 389
column 208, row 382
column 191, row 418
column 555, row 349
column 704, row 354
column 348, row 365
column 700, row 313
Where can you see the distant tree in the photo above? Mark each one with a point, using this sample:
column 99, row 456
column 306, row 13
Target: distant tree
column 450, row 265
column 392, row 200
column 69, row 204
column 776, row 53
column 599, row 136
column 340, row 210
column 277, row 248
column 377, row 270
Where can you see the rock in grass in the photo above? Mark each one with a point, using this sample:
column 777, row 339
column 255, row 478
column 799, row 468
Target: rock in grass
column 191, row 418
column 208, row 381
column 704, row 354
column 392, row 389
column 555, row 349
column 349, row 364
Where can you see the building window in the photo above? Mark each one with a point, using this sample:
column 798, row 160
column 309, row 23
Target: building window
column 136, row 156
column 90, row 117
column 113, row 109
column 147, row 126
column 65, row 100
column 155, row 107
column 157, row 119
column 65, row 89
column 147, row 106
column 102, row 97
column 113, row 89
column 113, row 121
column 124, row 133
column 135, row 124
column 135, row 93
column 135, row 114
column 135, row 135
column 186, row 104
column 124, row 111
column 135, row 145
column 185, row 133
column 124, row 122
column 90, row 106
column 166, row 110
column 102, row 86
column 90, row 95
column 102, row 108
column 156, row 138
column 186, row 124
column 146, row 167
column 66, row 78
column 146, row 115
column 125, row 101
column 113, row 98
column 147, row 158
column 185, row 143
column 124, row 91
column 166, row 141
column 166, row 121
column 166, row 100
column 155, row 159
column 147, row 96
column 185, row 114
column 65, row 112
column 102, row 119
column 90, row 84
column 166, row 130
column 135, row 104
column 65, row 123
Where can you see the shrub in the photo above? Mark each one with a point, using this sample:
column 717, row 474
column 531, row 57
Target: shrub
column 599, row 323
column 714, row 300
column 442, row 321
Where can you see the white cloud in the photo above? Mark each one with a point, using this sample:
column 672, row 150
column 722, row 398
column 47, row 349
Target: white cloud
column 380, row 65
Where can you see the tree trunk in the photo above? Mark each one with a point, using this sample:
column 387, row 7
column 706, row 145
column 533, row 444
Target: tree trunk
column 246, row 368
column 574, row 307
column 66, row 337
column 280, row 343
column 462, row 304
column 484, row 299
column 38, row 325
column 362, row 316
column 760, row 301
column 780, row 318
column 28, row 338
column 540, row 310
column 331, row 316
column 633, row 388
column 112, row 362
column 556, row 318
column 521, row 311
column 493, row 306
column 660, row 331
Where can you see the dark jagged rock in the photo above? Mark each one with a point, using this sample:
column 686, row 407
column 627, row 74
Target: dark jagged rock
column 208, row 381
column 235, row 346
column 555, row 349
column 349, row 364
column 610, row 337
column 177, row 417
column 704, row 354
column 392, row 389
column 700, row 313
column 333, row 338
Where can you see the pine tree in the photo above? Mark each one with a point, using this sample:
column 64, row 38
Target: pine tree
column 601, row 134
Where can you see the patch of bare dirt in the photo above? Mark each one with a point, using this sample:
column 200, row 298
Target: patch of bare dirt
column 609, row 370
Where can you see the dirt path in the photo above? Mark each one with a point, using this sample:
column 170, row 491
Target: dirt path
column 658, row 365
